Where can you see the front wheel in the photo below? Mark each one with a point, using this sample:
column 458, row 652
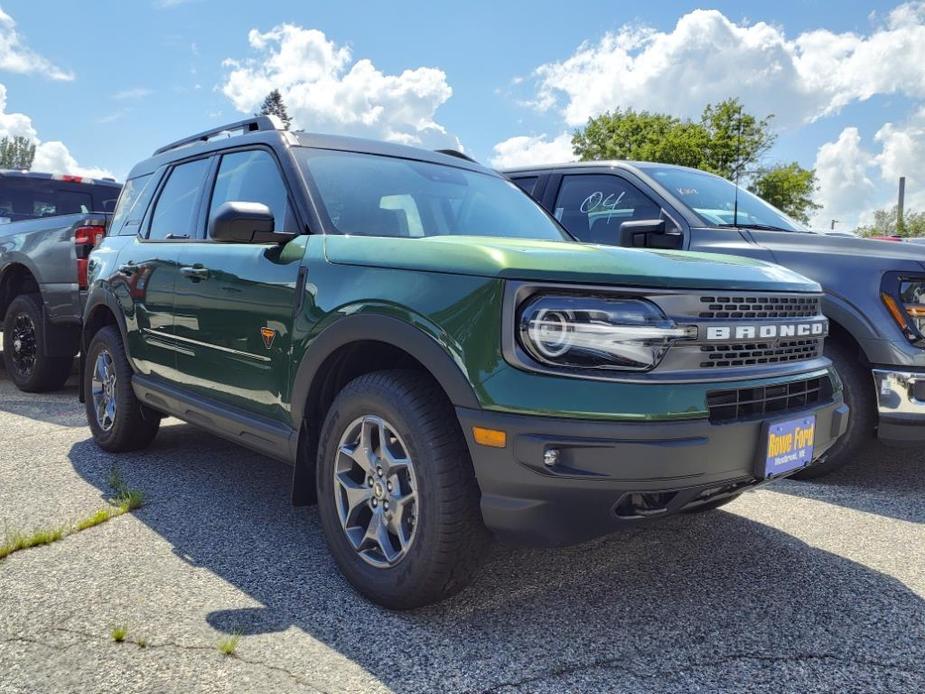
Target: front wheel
column 118, row 421
column 397, row 495
column 862, row 415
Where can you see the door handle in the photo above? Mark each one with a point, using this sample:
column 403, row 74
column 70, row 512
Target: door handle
column 128, row 269
column 195, row 272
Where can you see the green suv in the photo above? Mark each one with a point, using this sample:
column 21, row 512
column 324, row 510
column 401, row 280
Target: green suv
column 433, row 354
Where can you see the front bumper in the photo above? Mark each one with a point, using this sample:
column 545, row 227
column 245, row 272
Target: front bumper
column 901, row 406
column 613, row 473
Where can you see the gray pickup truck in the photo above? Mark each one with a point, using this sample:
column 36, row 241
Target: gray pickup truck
column 874, row 290
column 48, row 226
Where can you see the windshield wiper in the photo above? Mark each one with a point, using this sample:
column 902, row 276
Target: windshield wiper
column 759, row 227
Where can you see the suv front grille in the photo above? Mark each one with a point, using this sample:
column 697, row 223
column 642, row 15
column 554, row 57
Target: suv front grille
column 762, row 306
column 755, row 354
column 752, row 403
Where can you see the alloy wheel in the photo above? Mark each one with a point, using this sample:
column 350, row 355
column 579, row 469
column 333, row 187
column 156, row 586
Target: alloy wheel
column 376, row 491
column 25, row 345
column 103, row 390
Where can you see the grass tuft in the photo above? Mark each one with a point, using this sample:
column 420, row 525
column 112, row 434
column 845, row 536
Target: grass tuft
column 118, row 634
column 124, row 501
column 229, row 645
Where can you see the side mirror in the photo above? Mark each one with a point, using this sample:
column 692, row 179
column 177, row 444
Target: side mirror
column 629, row 230
column 245, row 222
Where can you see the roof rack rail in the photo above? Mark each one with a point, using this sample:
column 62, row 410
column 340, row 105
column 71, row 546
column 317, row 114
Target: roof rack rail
column 248, row 125
column 456, row 153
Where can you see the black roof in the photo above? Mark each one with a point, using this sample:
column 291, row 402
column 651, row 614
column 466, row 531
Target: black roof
column 269, row 130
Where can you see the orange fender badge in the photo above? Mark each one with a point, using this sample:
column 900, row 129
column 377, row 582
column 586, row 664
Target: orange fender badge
column 268, row 335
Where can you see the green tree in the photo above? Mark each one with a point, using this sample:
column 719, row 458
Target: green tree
column 273, row 106
column 16, row 153
column 727, row 141
column 788, row 187
column 736, row 140
column 886, row 223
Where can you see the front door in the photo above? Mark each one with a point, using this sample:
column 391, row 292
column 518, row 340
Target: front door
column 235, row 302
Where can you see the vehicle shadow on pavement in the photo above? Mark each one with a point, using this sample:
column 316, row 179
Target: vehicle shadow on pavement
column 886, row 481
column 55, row 408
column 649, row 607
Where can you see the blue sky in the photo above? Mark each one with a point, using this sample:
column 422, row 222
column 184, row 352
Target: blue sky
column 507, row 80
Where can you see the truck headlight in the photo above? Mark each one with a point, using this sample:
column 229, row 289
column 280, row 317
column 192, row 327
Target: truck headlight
column 904, row 298
column 597, row 333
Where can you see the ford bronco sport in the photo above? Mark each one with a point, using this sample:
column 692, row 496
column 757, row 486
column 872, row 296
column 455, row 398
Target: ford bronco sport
column 433, row 354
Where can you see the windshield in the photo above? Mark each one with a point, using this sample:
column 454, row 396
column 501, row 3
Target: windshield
column 30, row 198
column 713, row 199
column 373, row 195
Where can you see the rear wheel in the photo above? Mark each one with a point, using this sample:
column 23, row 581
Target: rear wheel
column 30, row 369
column 397, row 494
column 118, row 421
column 862, row 416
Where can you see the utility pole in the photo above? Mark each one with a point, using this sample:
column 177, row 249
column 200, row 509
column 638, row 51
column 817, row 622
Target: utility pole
column 834, row 222
column 901, row 204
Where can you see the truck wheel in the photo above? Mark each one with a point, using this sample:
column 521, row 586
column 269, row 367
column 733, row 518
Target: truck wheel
column 862, row 418
column 29, row 369
column 117, row 420
column 397, row 495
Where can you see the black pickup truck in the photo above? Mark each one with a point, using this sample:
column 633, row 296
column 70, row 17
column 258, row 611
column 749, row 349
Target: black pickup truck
column 874, row 290
column 48, row 226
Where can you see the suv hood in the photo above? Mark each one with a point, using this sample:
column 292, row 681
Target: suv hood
column 565, row 261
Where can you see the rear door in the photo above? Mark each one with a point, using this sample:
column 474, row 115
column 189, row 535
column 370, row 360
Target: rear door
column 235, row 302
column 148, row 267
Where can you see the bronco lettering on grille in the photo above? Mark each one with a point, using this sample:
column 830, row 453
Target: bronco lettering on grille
column 766, row 331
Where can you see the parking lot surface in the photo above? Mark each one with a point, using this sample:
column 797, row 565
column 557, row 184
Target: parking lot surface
column 797, row 587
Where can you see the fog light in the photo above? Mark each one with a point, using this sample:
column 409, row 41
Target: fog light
column 551, row 457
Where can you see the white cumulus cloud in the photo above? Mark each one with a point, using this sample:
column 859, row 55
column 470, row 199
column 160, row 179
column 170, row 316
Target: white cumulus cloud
column 50, row 157
column 16, row 56
column 843, row 170
column 707, row 57
column 525, row 150
column 325, row 89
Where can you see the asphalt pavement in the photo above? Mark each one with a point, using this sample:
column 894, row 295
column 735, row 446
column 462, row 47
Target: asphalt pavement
column 797, row 587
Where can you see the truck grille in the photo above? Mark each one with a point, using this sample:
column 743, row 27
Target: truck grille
column 761, row 306
column 752, row 403
column 753, row 354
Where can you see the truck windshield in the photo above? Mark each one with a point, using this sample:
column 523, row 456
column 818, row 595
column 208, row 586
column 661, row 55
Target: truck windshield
column 373, row 195
column 713, row 199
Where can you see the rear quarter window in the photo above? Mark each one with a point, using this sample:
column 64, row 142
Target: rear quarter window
column 130, row 209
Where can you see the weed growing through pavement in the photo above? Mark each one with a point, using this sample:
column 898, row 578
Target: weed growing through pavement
column 229, row 645
column 123, row 501
column 118, row 634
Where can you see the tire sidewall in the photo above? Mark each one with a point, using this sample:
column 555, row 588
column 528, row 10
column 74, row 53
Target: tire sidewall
column 108, row 339
column 349, row 406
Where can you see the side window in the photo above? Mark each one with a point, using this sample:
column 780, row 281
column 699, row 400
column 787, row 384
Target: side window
column 527, row 184
column 175, row 210
column 252, row 176
column 130, row 208
column 593, row 206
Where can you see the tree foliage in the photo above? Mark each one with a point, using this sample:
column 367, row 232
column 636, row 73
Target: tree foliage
column 16, row 153
column 273, row 106
column 727, row 141
column 886, row 223
column 789, row 187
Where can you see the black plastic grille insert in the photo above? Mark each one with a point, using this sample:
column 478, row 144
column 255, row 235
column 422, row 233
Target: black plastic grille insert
column 752, row 403
column 749, row 307
column 754, row 354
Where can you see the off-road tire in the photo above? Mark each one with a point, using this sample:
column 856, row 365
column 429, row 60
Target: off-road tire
column 450, row 538
column 134, row 426
column 47, row 373
column 862, row 416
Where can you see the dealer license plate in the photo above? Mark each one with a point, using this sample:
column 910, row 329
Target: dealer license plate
column 790, row 445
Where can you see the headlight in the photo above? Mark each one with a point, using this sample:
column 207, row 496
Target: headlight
column 597, row 333
column 904, row 298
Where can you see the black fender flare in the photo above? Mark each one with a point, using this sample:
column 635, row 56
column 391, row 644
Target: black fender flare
column 376, row 327
column 96, row 298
